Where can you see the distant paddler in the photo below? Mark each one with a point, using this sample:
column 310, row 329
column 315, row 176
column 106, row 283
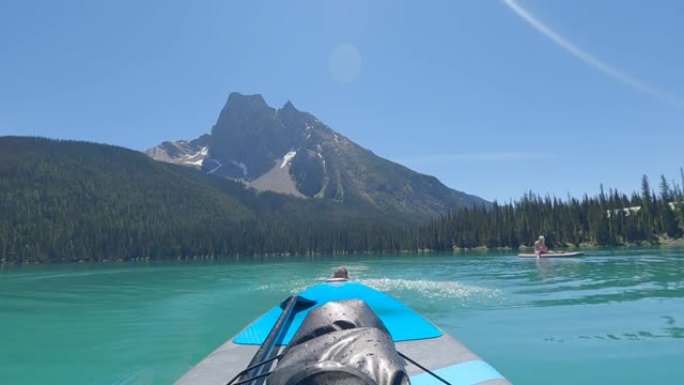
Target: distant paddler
column 339, row 274
column 540, row 246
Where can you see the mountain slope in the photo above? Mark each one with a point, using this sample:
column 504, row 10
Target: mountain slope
column 66, row 201
column 290, row 151
column 183, row 152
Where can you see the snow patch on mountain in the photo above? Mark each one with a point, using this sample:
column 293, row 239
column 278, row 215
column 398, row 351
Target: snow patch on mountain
column 197, row 163
column 196, row 159
column 288, row 158
column 187, row 153
column 213, row 170
column 242, row 166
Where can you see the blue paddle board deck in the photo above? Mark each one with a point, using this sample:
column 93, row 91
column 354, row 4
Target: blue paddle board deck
column 403, row 323
column 413, row 335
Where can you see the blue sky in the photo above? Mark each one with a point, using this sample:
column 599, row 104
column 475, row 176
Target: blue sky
column 493, row 97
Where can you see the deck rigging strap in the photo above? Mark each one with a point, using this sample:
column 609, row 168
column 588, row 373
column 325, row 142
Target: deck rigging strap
column 426, row 370
column 247, row 369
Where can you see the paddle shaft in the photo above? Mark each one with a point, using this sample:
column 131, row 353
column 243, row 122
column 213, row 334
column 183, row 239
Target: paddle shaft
column 275, row 336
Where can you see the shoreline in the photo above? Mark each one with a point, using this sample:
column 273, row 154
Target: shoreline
column 662, row 243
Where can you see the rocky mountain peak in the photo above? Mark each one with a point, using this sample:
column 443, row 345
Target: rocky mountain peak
column 292, row 152
column 238, row 100
column 289, row 107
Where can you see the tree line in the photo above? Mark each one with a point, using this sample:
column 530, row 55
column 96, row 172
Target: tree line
column 64, row 201
column 608, row 219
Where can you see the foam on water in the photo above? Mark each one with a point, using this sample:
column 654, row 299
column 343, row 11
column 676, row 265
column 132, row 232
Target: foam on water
column 432, row 289
column 446, row 290
column 295, row 286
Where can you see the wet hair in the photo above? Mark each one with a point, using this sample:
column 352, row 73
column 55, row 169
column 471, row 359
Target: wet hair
column 341, row 272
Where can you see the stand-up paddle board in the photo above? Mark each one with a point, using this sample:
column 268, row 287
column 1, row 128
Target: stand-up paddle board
column 342, row 332
column 553, row 254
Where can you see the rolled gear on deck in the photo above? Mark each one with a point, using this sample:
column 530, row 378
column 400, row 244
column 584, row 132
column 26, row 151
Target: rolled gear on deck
column 341, row 342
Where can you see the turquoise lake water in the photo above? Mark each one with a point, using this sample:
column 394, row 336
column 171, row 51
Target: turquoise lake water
column 610, row 317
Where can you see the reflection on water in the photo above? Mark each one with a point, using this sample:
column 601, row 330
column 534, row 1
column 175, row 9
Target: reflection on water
column 543, row 267
column 605, row 279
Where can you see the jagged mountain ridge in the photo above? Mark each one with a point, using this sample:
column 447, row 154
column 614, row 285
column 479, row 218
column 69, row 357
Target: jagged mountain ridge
column 183, row 152
column 290, row 151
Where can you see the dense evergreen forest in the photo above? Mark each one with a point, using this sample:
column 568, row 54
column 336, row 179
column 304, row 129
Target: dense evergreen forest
column 64, row 201
column 609, row 219
column 76, row 201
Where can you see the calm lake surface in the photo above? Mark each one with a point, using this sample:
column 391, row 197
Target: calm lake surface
column 611, row 317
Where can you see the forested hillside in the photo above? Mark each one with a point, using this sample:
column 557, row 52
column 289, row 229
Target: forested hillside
column 609, row 219
column 69, row 201
column 75, row 201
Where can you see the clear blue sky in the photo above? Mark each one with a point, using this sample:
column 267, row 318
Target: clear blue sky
column 495, row 98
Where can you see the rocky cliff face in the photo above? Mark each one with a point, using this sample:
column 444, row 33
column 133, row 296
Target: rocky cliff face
column 291, row 151
column 188, row 153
